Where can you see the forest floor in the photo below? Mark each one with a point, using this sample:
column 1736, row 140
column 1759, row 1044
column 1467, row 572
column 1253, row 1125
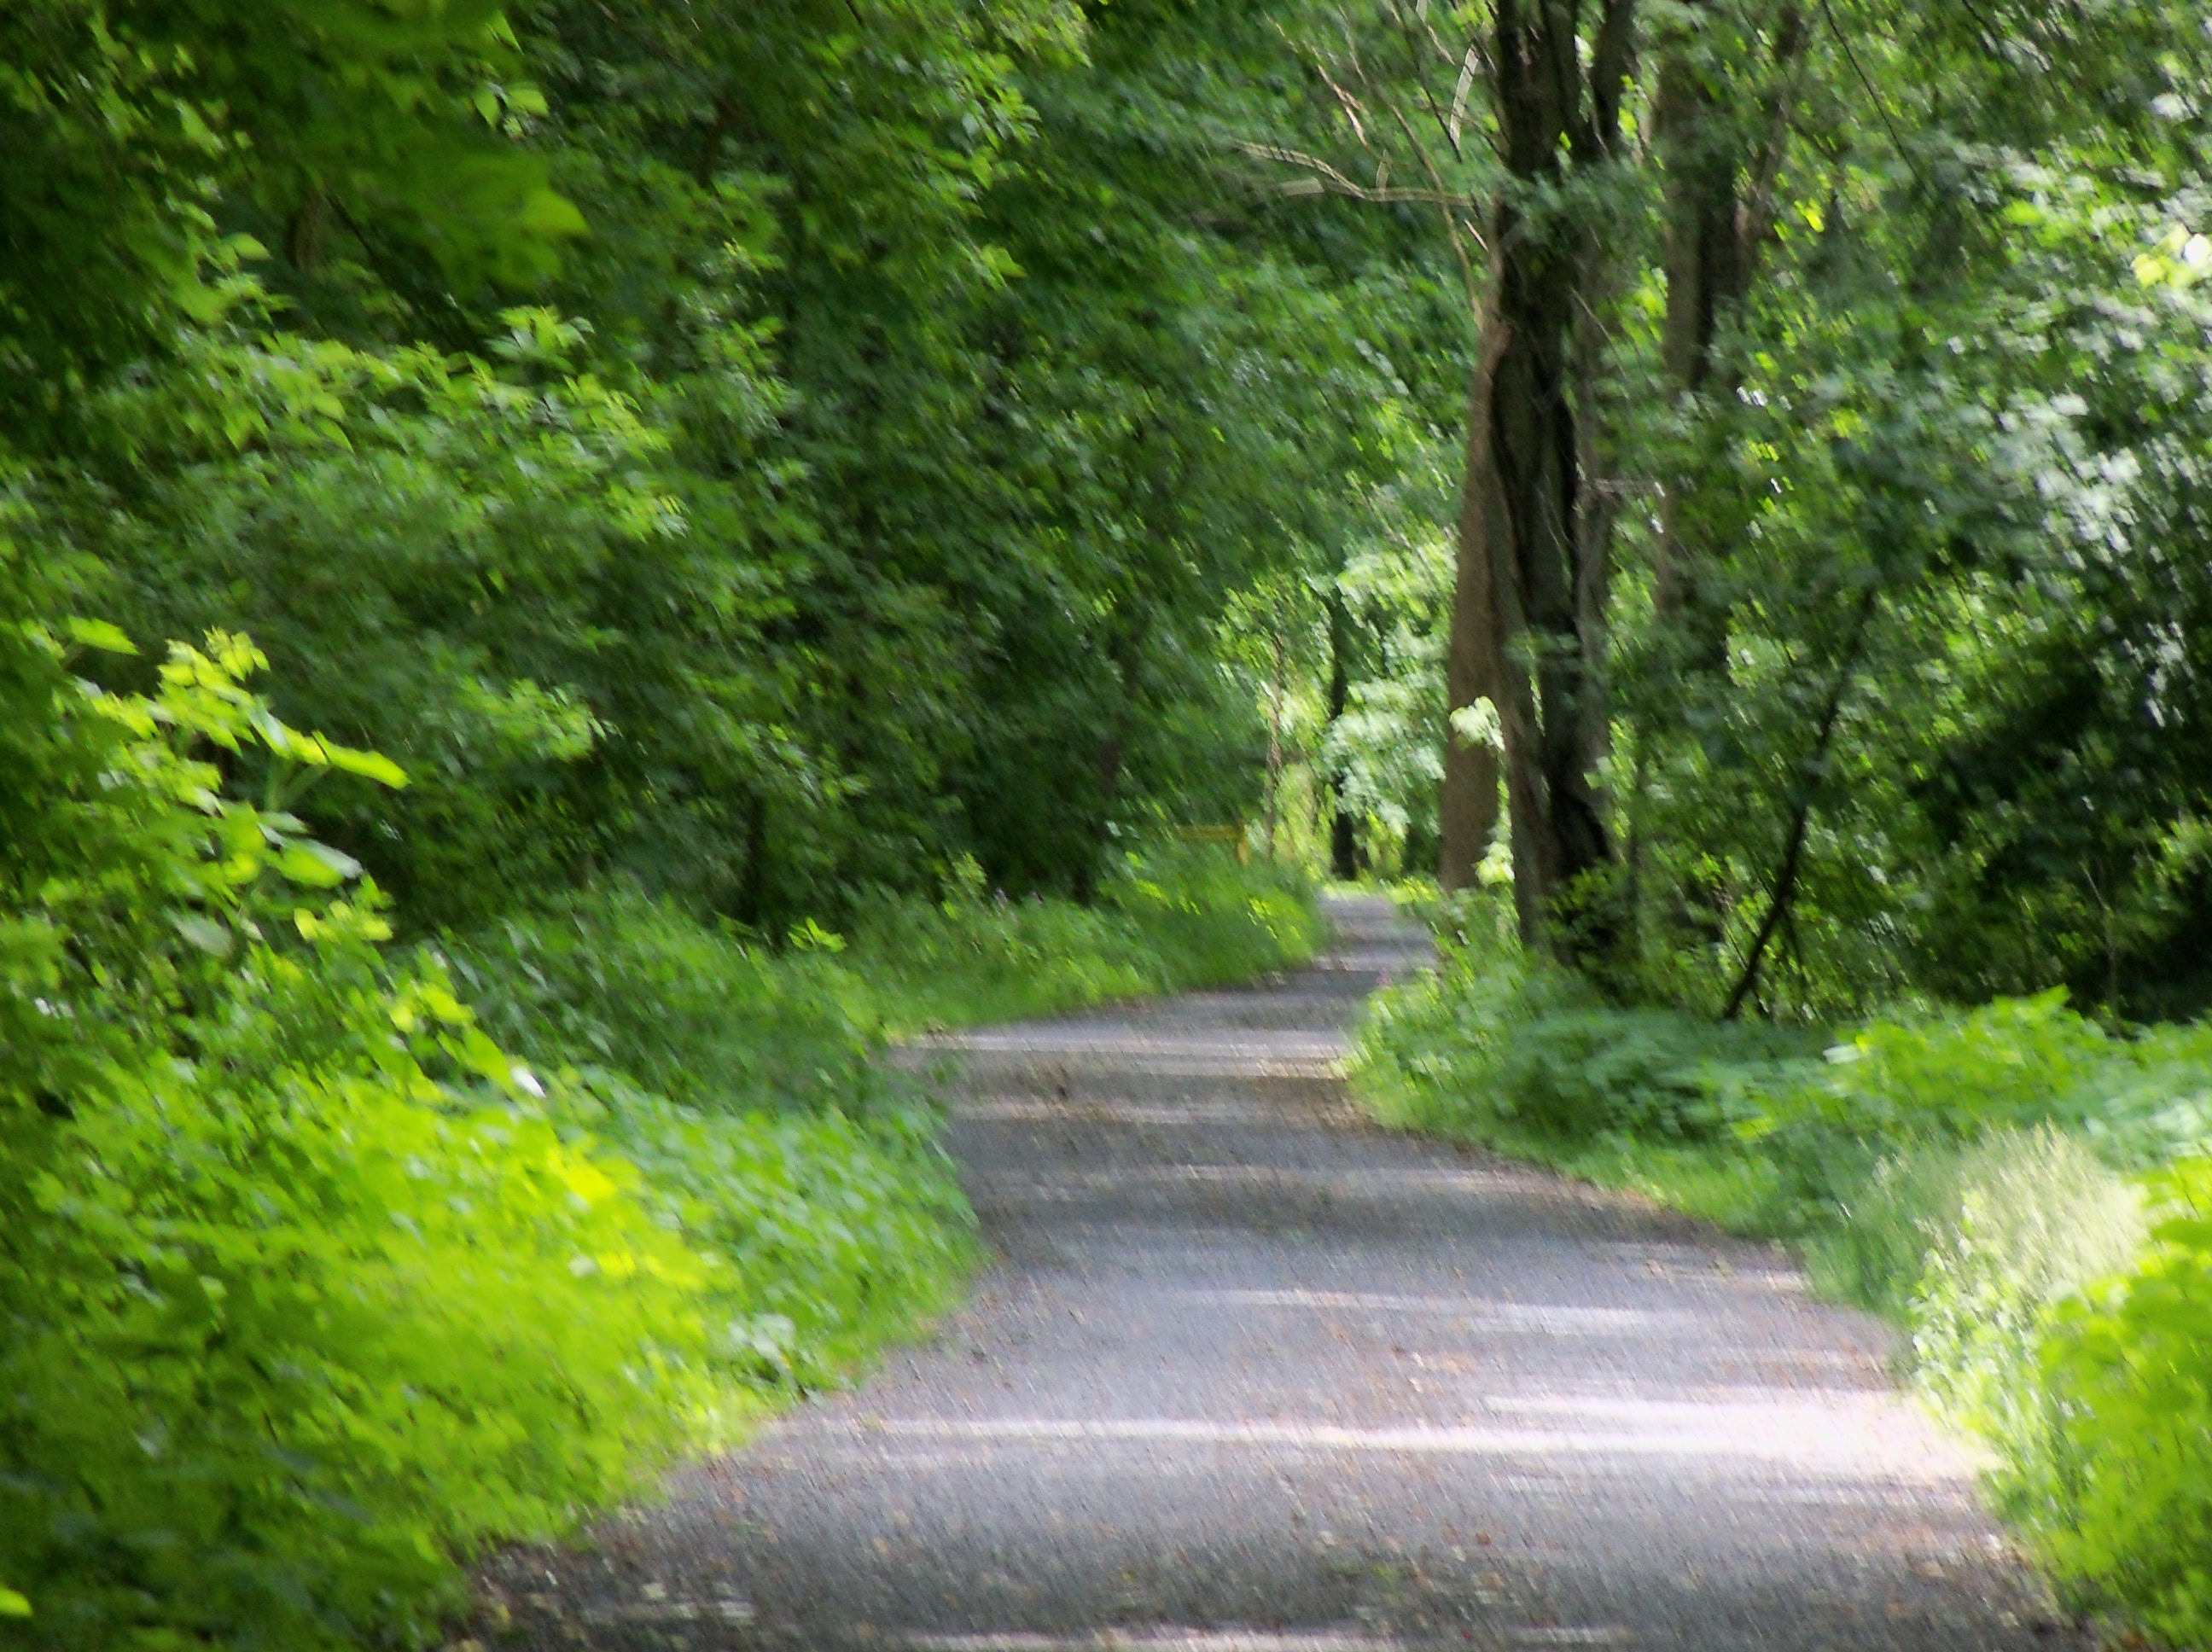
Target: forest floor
column 1251, row 1376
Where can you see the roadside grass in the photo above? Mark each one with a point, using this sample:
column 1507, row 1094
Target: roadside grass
column 2026, row 1194
column 1175, row 918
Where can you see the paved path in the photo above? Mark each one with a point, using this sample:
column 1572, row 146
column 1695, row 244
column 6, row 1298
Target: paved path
column 1250, row 1377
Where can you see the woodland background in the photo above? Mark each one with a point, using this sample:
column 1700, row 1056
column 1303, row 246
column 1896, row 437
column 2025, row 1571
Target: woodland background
column 566, row 569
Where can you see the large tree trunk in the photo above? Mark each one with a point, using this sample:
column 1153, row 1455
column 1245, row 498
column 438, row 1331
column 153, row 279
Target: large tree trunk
column 1467, row 818
column 1547, row 580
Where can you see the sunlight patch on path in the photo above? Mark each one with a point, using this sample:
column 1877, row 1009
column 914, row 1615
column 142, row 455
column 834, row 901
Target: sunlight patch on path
column 1368, row 1183
column 1849, row 1435
column 1520, row 1316
column 1251, row 1640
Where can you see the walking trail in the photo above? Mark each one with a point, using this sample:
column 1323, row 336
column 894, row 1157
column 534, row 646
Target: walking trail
column 1248, row 1375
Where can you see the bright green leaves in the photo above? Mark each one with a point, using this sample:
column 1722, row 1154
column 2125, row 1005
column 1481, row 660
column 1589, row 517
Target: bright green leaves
column 2181, row 258
column 307, row 1273
column 2130, row 1372
column 204, row 696
column 98, row 633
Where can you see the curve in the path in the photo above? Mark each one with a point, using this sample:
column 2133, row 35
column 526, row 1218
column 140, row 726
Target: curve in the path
column 1250, row 1377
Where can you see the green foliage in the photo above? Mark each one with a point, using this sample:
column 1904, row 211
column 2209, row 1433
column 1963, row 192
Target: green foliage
column 1174, row 918
column 476, row 565
column 835, row 1232
column 612, row 980
column 1952, row 1077
column 145, row 130
column 303, row 1294
column 1492, row 1040
column 2129, row 1519
column 311, row 1289
column 289, row 1334
column 2031, row 1220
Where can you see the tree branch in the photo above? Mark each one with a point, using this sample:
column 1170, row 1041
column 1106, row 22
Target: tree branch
column 1793, row 853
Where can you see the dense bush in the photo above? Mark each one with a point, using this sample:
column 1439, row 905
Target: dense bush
column 610, row 978
column 2126, row 1509
column 1492, row 1041
column 310, row 1287
column 294, row 1325
column 305, row 1290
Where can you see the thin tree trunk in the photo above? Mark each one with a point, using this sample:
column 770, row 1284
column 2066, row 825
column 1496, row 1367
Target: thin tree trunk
column 1343, row 837
column 1811, row 774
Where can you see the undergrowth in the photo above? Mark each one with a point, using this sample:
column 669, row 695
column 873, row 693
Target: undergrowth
column 1174, row 918
column 324, row 1264
column 2027, row 1193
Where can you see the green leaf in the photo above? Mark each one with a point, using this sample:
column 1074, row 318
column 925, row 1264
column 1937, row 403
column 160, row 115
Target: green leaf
column 14, row 1604
column 99, row 634
column 318, row 866
column 210, row 937
column 369, row 765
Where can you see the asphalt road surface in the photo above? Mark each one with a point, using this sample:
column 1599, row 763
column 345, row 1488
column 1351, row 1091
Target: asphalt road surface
column 1250, row 1377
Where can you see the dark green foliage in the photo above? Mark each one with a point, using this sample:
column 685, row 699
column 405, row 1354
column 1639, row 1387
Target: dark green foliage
column 1493, row 1039
column 612, row 980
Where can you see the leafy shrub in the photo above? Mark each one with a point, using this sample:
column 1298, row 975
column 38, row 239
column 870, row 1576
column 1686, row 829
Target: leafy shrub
column 1492, row 1041
column 1210, row 918
column 2129, row 1513
column 834, row 1233
column 608, row 978
column 1432, row 1051
column 2152, row 1103
column 1868, row 1142
column 311, row 1289
column 291, row 1326
column 2029, row 1219
column 306, row 1291
column 1658, row 1074
column 2012, row 1062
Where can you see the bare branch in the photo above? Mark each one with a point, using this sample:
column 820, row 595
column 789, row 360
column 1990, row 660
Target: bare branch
column 1328, row 179
column 1459, row 96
